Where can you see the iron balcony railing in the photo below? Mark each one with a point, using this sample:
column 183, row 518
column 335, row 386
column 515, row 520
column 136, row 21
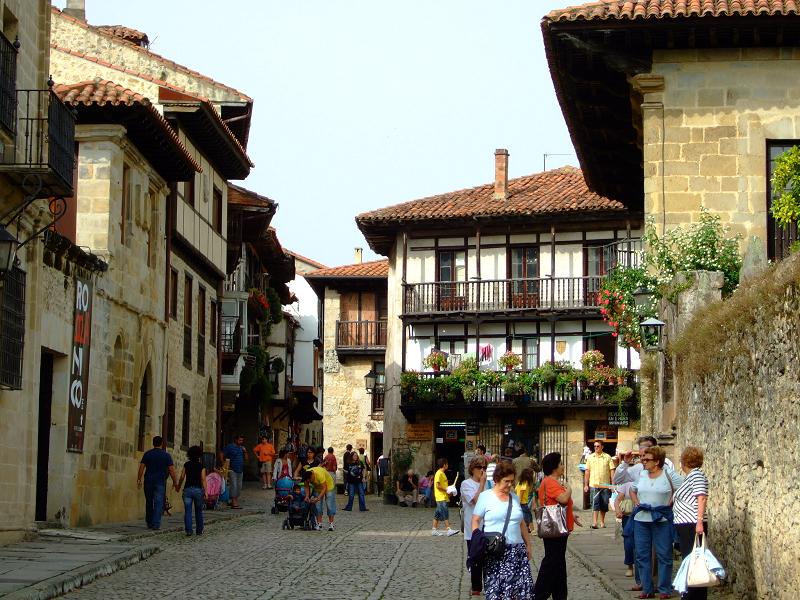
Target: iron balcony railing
column 623, row 253
column 360, row 335
column 502, row 295
column 8, row 84
column 44, row 144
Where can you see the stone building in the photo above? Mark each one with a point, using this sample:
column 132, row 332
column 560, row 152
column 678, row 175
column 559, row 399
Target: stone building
column 673, row 106
column 29, row 174
column 353, row 323
column 178, row 396
column 515, row 265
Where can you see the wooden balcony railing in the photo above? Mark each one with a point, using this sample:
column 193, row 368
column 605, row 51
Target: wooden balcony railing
column 623, row 253
column 360, row 335
column 502, row 295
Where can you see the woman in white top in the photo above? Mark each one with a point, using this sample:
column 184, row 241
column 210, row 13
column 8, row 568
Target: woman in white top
column 471, row 488
column 507, row 576
column 283, row 466
column 690, row 508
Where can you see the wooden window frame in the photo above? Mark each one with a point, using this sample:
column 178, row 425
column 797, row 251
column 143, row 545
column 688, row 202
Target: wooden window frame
column 189, row 191
column 216, row 210
column 201, row 329
column 188, row 288
column 186, row 421
column 173, row 293
column 169, row 417
column 212, row 323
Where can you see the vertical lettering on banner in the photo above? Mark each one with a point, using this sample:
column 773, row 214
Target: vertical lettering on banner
column 79, row 370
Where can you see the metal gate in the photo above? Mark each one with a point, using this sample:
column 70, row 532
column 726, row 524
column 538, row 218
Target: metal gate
column 491, row 436
column 553, row 438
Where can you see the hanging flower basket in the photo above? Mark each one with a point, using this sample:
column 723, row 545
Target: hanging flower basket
column 258, row 305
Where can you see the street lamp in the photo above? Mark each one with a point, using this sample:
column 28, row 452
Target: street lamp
column 8, row 251
column 642, row 298
column 370, row 381
column 652, row 333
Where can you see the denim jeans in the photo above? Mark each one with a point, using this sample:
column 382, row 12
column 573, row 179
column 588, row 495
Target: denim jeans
column 628, row 544
column 352, row 490
column 154, row 494
column 648, row 536
column 193, row 496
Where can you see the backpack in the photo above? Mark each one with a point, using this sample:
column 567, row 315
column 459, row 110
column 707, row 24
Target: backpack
column 214, row 484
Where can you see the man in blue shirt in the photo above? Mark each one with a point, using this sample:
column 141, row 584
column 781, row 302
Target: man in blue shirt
column 156, row 464
column 236, row 453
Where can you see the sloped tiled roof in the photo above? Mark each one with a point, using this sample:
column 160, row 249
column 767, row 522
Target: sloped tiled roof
column 129, row 34
column 307, row 260
column 556, row 191
column 665, row 9
column 372, row 269
column 146, row 127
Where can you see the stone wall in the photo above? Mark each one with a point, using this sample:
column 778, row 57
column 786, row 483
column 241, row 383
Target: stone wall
column 744, row 412
column 707, row 116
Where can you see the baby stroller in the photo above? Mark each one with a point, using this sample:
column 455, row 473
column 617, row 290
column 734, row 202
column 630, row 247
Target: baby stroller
column 283, row 491
column 215, row 485
column 300, row 513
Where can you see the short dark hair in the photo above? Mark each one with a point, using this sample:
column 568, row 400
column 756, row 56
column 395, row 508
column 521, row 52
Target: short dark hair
column 503, row 469
column 646, row 438
column 482, row 448
column 194, row 453
column 157, row 441
column 281, row 452
column 550, row 462
column 330, row 449
column 349, row 447
column 305, row 474
column 239, row 435
column 442, row 462
column 526, row 476
column 361, row 450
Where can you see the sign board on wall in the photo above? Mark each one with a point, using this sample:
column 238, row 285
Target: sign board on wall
column 473, row 427
column 79, row 365
column 419, row 432
column 619, row 418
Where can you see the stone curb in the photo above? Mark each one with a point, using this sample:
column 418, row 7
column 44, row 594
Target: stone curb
column 597, row 572
column 66, row 582
column 178, row 528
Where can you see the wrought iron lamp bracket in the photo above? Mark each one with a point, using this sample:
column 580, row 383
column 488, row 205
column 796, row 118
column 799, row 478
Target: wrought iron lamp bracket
column 32, row 186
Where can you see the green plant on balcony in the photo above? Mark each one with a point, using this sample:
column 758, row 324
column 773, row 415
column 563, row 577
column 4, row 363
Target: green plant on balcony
column 547, row 372
column 277, row 365
column 509, row 360
column 531, row 381
column 489, row 379
column 469, row 393
column 592, row 359
column 619, row 395
column 512, row 388
column 436, row 360
column 566, row 380
column 253, row 380
column 562, row 366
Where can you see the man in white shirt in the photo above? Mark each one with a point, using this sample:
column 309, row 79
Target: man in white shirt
column 627, row 471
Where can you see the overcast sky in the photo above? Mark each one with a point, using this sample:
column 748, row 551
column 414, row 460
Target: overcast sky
column 360, row 104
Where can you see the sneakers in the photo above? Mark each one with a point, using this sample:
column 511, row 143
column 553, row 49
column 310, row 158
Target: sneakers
column 263, row 487
column 436, row 532
column 318, row 527
column 629, row 572
column 330, row 526
column 452, row 532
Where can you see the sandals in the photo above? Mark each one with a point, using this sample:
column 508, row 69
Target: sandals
column 636, row 588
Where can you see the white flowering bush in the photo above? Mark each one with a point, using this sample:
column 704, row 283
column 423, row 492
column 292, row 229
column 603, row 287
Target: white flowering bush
column 702, row 246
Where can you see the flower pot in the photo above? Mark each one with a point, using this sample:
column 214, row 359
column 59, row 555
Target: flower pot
column 436, row 368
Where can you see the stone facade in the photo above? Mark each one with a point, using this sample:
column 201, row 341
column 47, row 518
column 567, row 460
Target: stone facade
column 707, row 116
column 745, row 416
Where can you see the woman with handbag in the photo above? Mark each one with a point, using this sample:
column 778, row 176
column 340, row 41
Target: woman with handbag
column 689, row 507
column 507, row 573
column 552, row 578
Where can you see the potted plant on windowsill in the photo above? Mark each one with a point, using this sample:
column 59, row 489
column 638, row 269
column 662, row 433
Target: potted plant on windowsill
column 509, row 361
column 436, row 360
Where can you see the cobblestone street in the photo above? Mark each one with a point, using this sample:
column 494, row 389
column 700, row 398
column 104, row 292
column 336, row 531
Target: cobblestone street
column 387, row 552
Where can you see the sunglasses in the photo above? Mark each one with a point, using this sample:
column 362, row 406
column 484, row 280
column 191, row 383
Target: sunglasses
column 648, row 460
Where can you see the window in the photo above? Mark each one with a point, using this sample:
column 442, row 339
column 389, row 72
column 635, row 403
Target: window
column 452, row 268
column 188, row 191
column 212, row 324
column 216, row 216
column 169, row 418
column 380, row 387
column 187, row 322
column 779, row 238
column 596, row 262
column 173, row 293
column 126, row 216
column 524, row 266
column 201, row 329
column 12, row 333
column 186, row 420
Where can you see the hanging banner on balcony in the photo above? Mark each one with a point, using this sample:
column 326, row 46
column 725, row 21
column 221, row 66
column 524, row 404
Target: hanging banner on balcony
column 79, row 365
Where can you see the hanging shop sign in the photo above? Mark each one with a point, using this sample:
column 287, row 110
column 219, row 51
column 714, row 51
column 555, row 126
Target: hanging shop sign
column 79, row 365
column 419, row 432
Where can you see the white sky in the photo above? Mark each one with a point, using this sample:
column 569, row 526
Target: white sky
column 360, row 104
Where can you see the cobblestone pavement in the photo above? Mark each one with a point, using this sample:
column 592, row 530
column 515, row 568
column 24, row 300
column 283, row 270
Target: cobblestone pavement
column 387, row 552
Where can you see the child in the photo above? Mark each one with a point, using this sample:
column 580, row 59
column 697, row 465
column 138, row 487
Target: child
column 426, row 487
column 524, row 491
column 442, row 500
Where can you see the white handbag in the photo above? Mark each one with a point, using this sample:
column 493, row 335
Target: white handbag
column 699, row 575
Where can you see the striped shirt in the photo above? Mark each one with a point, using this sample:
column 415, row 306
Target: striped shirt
column 685, row 505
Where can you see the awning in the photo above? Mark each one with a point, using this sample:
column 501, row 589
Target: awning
column 304, row 411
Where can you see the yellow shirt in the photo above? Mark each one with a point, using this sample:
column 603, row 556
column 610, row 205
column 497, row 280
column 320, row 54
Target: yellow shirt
column 440, row 479
column 319, row 477
column 600, row 468
column 522, row 490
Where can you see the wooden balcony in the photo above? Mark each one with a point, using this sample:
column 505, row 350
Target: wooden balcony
column 361, row 337
column 546, row 295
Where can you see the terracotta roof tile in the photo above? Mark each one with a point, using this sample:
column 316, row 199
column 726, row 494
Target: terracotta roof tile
column 128, row 34
column 557, row 191
column 373, row 269
column 630, row 10
column 102, row 92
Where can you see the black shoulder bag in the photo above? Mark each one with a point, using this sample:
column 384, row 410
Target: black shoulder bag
column 496, row 542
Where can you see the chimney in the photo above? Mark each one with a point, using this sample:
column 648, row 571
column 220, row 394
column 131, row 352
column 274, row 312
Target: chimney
column 501, row 174
column 359, row 255
column 76, row 8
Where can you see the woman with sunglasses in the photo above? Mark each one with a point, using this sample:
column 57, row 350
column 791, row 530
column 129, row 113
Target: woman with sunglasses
column 471, row 488
column 509, row 575
column 652, row 522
